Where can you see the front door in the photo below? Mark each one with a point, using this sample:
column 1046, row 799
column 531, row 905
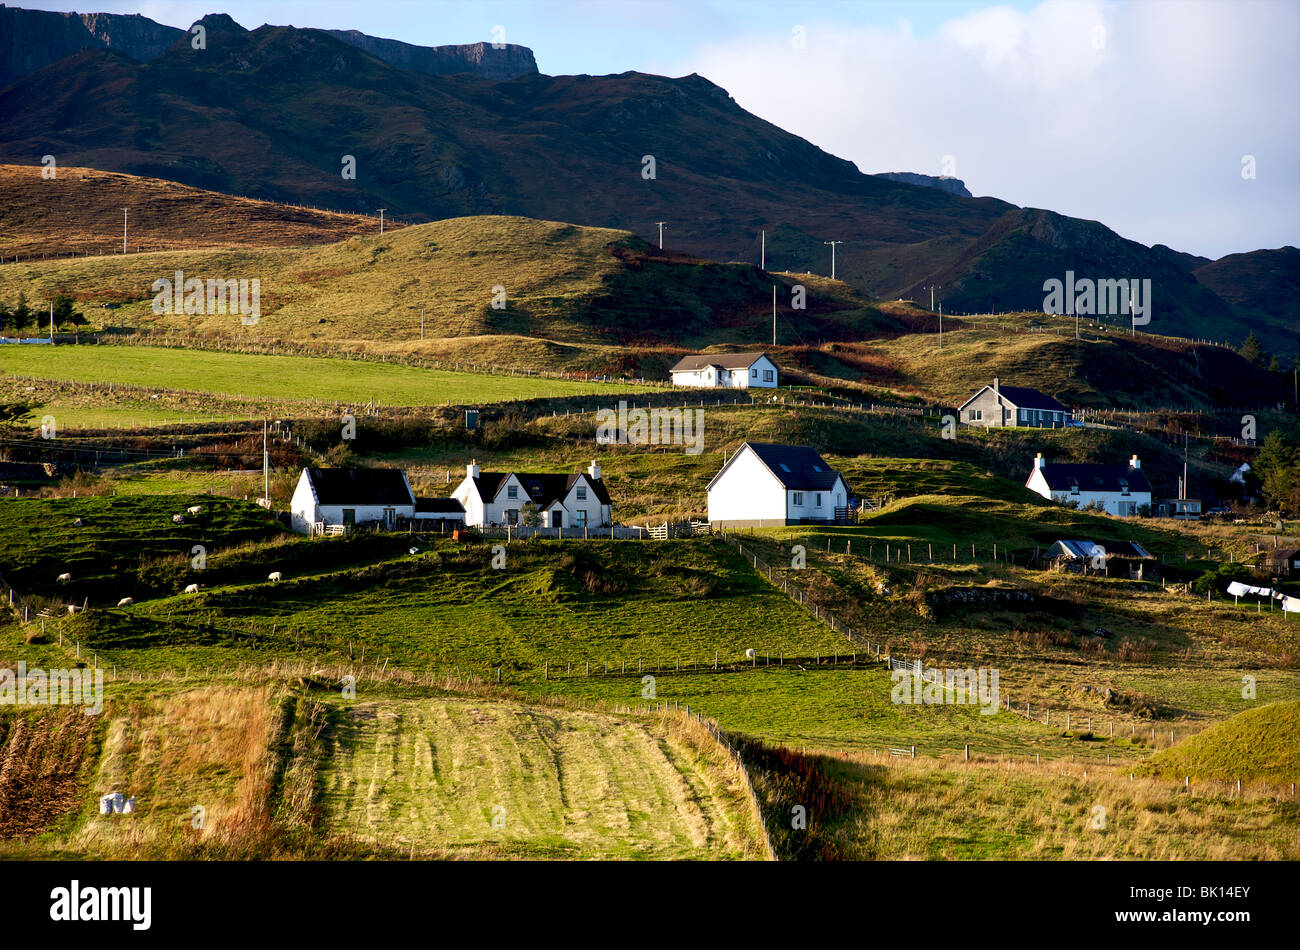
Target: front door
column 349, row 517
column 390, row 517
column 557, row 519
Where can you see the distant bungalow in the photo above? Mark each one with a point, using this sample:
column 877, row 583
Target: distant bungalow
column 1013, row 406
column 728, row 370
column 764, row 484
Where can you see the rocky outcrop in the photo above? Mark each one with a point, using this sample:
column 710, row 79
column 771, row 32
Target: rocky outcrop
column 954, row 186
column 478, row 59
column 33, row 39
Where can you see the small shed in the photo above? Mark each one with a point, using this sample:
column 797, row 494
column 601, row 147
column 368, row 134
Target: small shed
column 1112, row 559
column 1283, row 562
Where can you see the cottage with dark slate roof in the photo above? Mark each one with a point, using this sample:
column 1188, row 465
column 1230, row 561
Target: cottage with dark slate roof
column 765, row 484
column 336, row 500
column 1117, row 489
column 493, row 499
column 1012, row 406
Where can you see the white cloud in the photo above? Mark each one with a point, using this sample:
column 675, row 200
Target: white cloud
column 1135, row 115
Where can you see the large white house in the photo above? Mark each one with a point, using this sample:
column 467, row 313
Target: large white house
column 328, row 500
column 1119, row 489
column 491, row 499
column 765, row 484
column 734, row 370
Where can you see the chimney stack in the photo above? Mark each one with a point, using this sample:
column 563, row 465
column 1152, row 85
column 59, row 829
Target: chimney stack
column 1134, row 462
column 997, row 388
column 1039, row 461
column 471, row 469
column 594, row 471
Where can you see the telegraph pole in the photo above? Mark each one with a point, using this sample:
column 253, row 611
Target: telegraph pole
column 832, row 244
column 266, row 469
column 762, row 265
column 124, row 216
column 381, row 220
column 774, row 314
column 661, row 233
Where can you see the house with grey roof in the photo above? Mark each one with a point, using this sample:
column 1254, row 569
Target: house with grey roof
column 727, row 370
column 766, row 484
column 1013, row 406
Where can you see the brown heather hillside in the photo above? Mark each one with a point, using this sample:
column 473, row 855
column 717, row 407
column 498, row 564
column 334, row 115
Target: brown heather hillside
column 80, row 212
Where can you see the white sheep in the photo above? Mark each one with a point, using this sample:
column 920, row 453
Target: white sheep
column 178, row 519
column 126, row 602
column 192, row 589
column 275, row 577
column 749, row 654
column 64, row 578
column 194, row 510
column 73, row 608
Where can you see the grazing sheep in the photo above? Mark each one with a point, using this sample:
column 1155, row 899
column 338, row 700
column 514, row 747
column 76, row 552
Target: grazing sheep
column 73, row 608
column 64, row 578
column 178, row 519
column 192, row 589
column 275, row 577
column 78, row 523
column 749, row 654
column 126, row 602
column 194, row 510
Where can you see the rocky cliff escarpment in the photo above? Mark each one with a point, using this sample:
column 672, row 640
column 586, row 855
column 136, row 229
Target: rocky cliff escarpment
column 33, row 39
column 478, row 59
column 954, row 186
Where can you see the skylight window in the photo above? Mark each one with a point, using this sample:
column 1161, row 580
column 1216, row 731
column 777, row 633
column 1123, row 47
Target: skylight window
column 784, row 467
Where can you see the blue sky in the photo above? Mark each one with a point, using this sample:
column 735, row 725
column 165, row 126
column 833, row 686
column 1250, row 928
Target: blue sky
column 1141, row 115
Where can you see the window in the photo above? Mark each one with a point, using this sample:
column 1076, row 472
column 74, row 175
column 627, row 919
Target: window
column 976, row 415
column 753, row 374
column 582, row 493
column 767, row 375
column 1074, row 486
column 784, row 467
column 1123, row 484
column 512, row 516
column 817, row 500
column 798, row 499
column 512, row 491
column 580, row 518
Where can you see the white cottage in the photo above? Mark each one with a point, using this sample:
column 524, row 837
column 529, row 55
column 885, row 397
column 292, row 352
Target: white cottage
column 1119, row 489
column 577, row 500
column 726, row 370
column 766, row 484
column 334, row 500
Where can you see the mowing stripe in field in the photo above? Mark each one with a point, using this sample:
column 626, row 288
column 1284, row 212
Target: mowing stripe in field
column 279, row 377
column 484, row 773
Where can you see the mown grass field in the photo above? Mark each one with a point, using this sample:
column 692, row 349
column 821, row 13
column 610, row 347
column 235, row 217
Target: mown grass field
column 283, row 378
column 482, row 775
column 258, row 767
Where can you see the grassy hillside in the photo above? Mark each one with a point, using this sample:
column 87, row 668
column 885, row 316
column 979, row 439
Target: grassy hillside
column 1261, row 743
column 291, row 379
column 79, row 211
column 555, row 283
